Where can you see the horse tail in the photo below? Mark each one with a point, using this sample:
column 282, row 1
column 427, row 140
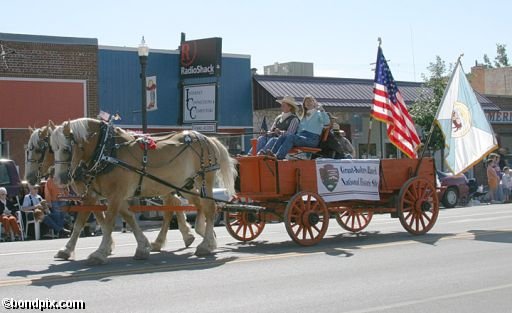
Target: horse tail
column 227, row 174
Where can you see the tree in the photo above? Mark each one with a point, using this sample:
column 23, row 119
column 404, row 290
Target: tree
column 425, row 108
column 501, row 58
column 487, row 61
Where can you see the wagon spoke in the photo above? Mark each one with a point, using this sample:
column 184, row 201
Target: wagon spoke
column 310, row 232
column 420, row 217
column 238, row 228
column 426, row 217
column 359, row 220
column 245, row 231
column 298, row 230
column 251, row 230
column 316, row 228
column 316, row 206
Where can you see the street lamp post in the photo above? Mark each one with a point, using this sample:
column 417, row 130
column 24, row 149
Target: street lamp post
column 143, row 51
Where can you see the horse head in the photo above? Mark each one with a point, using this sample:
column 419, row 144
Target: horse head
column 39, row 155
column 73, row 143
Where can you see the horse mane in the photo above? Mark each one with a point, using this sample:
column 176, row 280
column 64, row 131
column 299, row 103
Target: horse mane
column 33, row 141
column 79, row 128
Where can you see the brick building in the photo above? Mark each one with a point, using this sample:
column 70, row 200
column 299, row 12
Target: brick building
column 42, row 78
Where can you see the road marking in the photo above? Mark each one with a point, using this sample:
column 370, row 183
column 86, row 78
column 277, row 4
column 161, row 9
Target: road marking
column 432, row 299
column 173, row 267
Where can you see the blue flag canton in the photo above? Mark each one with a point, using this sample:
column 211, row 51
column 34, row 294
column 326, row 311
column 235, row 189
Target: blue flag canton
column 384, row 77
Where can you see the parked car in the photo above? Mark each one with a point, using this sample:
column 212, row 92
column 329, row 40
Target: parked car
column 10, row 179
column 455, row 189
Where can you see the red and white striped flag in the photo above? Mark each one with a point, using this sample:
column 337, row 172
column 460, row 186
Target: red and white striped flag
column 389, row 107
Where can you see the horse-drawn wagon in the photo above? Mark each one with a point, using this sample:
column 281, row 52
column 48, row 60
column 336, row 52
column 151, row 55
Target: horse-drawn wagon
column 305, row 194
column 105, row 162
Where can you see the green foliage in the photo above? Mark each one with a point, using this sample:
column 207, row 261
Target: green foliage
column 501, row 58
column 487, row 61
column 425, row 108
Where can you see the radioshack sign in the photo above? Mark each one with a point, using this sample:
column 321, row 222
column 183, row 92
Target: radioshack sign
column 201, row 58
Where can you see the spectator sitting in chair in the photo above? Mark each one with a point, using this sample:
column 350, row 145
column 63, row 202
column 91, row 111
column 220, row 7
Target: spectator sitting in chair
column 7, row 217
column 33, row 201
column 310, row 129
column 285, row 123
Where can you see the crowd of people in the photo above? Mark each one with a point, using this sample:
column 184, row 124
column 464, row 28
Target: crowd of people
column 499, row 177
column 45, row 210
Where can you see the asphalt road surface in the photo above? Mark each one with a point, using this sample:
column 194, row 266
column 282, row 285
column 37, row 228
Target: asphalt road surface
column 463, row 265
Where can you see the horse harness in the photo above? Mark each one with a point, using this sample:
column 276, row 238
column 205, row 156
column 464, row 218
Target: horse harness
column 104, row 160
column 43, row 147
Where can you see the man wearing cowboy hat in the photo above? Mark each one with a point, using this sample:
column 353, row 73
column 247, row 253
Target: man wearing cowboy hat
column 345, row 144
column 285, row 123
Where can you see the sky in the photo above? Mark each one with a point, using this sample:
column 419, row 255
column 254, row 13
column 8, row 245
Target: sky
column 339, row 37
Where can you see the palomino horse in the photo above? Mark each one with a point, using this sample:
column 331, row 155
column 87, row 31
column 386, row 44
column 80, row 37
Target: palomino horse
column 39, row 158
column 110, row 162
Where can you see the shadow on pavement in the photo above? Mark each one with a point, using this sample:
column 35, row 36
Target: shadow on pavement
column 66, row 272
column 502, row 236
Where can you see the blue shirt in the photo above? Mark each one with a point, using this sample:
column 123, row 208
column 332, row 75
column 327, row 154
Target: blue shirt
column 316, row 123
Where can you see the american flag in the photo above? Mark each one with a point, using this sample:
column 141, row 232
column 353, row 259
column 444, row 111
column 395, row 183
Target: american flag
column 389, row 107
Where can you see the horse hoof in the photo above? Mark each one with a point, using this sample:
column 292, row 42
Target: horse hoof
column 189, row 240
column 204, row 250
column 96, row 258
column 142, row 254
column 63, row 254
column 156, row 247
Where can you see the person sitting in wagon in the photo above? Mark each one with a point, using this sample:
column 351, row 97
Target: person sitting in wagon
column 285, row 123
column 312, row 123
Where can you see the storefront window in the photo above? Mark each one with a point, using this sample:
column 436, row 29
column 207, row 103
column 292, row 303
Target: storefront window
column 233, row 143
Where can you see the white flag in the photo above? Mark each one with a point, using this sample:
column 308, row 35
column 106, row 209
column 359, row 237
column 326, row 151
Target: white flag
column 467, row 133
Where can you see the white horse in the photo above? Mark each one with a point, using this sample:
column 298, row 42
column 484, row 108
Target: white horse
column 186, row 162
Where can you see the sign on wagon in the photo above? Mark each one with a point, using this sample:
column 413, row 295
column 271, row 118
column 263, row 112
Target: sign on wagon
column 348, row 179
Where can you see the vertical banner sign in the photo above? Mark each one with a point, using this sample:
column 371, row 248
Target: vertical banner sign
column 348, row 179
column 199, row 103
column 151, row 102
column 201, row 58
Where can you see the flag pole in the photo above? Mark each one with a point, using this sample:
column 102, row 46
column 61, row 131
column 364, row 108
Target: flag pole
column 437, row 113
column 371, row 120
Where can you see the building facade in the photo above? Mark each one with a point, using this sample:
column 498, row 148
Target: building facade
column 44, row 78
column 59, row 78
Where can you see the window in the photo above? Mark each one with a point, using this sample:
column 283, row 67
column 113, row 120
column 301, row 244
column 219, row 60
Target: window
column 4, row 175
column 233, row 143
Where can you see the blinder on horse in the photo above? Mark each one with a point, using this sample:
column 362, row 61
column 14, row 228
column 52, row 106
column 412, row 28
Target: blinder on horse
column 43, row 146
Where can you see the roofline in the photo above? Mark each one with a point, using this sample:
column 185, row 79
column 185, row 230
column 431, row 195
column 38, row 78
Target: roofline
column 167, row 51
column 333, row 79
column 49, row 39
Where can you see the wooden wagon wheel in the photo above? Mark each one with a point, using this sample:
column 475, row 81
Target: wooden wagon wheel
column 244, row 226
column 306, row 218
column 418, row 205
column 354, row 220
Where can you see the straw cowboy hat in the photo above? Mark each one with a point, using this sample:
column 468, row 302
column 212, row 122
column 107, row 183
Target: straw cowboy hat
column 336, row 129
column 290, row 101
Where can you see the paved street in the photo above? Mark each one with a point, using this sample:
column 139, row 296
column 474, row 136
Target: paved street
column 462, row 265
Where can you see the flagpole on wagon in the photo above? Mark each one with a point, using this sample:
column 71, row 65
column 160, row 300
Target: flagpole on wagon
column 425, row 147
column 371, row 121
